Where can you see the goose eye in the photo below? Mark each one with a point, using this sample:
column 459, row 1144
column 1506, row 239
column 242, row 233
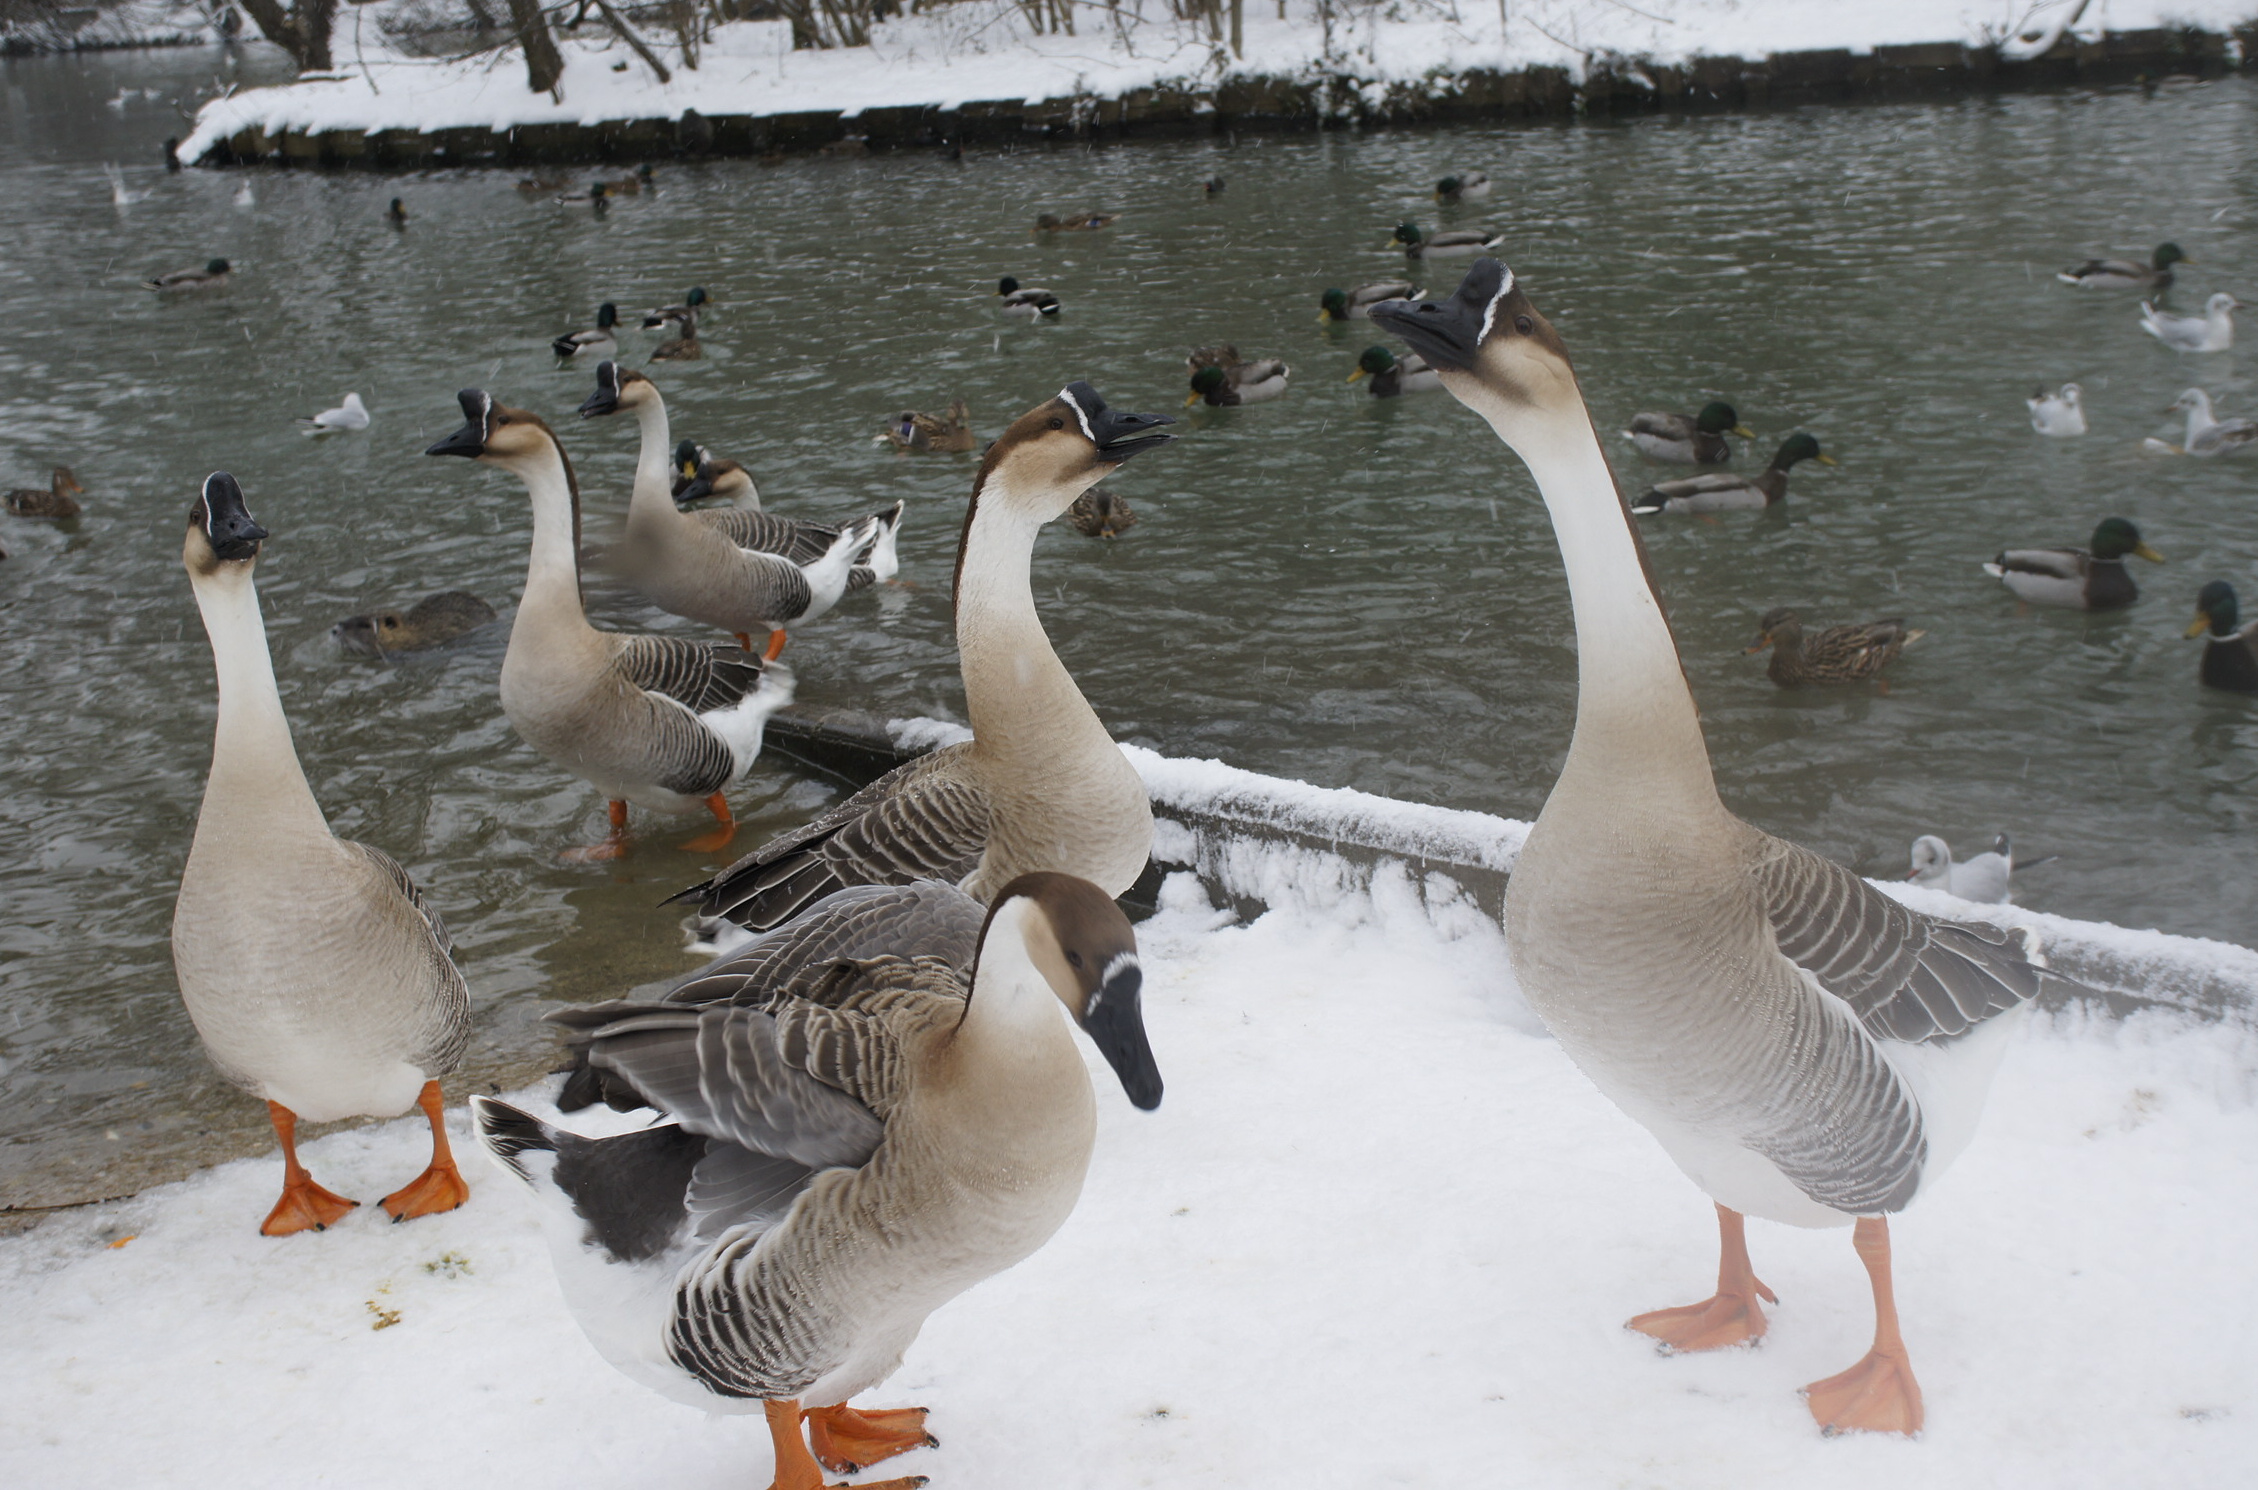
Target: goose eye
column 1058, row 424
column 1524, row 325
column 1074, row 959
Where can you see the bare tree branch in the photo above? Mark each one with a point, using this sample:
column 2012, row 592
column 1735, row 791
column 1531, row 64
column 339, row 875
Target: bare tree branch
column 627, row 34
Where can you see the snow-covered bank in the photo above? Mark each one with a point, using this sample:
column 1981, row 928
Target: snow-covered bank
column 1376, row 1235
column 1337, row 61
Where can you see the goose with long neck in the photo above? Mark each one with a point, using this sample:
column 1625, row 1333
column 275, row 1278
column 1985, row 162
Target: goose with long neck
column 1806, row 1049
column 860, row 1131
column 1041, row 785
column 318, row 978
column 741, row 570
column 666, row 724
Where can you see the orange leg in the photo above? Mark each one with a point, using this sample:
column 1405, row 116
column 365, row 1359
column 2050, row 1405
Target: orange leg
column 305, row 1206
column 744, row 640
column 706, row 843
column 776, row 640
column 440, row 1187
column 796, row 1468
column 847, row 1440
column 1732, row 1316
column 1879, row 1394
column 614, row 845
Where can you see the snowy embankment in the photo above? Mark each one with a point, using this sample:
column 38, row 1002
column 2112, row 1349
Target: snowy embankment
column 979, row 50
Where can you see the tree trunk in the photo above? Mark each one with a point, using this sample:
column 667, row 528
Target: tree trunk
column 302, row 30
column 544, row 69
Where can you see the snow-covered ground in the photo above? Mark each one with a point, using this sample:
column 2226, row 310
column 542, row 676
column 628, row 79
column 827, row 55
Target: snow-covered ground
column 983, row 49
column 1379, row 1233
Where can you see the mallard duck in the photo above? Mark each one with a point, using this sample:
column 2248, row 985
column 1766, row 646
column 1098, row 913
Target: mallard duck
column 1719, row 492
column 397, row 213
column 317, row 976
column 1356, row 304
column 431, row 622
column 600, row 342
column 2092, row 578
column 2061, row 414
column 667, row 724
column 1698, row 440
column 58, row 499
column 596, row 197
column 683, row 345
column 1080, row 222
column 1213, row 186
column 1098, row 513
column 1392, row 375
column 1805, row 1048
column 1457, row 244
column 1041, row 785
column 213, row 276
column 1983, row 879
column 2127, row 274
column 2213, row 331
column 699, row 474
column 631, row 184
column 914, row 431
column 2208, row 435
column 1834, row 654
column 692, row 304
column 1464, row 188
column 352, row 414
column 538, row 186
column 1025, row 302
column 855, row 1139
column 1227, row 383
column 2230, row 652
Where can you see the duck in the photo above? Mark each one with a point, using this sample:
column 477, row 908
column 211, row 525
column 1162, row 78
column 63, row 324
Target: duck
column 2208, row 435
column 2128, row 274
column 630, row 184
column 1806, row 1049
column 699, row 474
column 58, row 499
column 737, row 568
column 1720, row 492
column 1098, row 513
column 1834, row 654
column 537, row 186
column 213, row 276
column 692, row 305
column 799, row 541
column 351, row 414
column 431, row 622
column 1040, row 785
column 1696, row 440
column 2213, row 331
column 2090, row 578
column 1221, row 379
column 683, row 345
column 1028, row 302
column 397, row 213
column 1466, row 188
column 318, row 977
column 667, row 724
column 1392, row 375
column 1983, row 879
column 1457, row 244
column 914, row 431
column 849, row 1143
column 2230, row 651
column 2061, row 414
column 1356, row 304
column 596, row 198
column 1213, row 186
column 601, row 341
column 1080, row 222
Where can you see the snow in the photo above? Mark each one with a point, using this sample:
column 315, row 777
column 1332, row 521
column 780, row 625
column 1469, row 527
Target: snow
column 984, row 50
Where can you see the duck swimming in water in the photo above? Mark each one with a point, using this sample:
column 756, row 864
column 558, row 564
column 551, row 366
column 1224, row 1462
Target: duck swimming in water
column 2090, row 578
column 1720, row 492
column 2127, row 274
column 1689, row 440
column 2230, row 651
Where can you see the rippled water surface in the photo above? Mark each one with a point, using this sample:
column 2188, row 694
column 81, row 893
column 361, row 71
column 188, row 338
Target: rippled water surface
column 1333, row 588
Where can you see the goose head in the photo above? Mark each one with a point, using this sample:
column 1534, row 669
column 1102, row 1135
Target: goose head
column 1932, row 861
column 2114, row 537
column 222, row 536
column 1496, row 354
column 617, row 388
column 499, row 435
column 1082, row 945
column 1061, row 448
column 1719, row 419
column 2215, row 610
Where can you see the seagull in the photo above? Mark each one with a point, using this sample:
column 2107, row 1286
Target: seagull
column 245, row 197
column 2060, row 413
column 119, row 196
column 2213, row 331
column 351, row 414
column 1982, row 878
column 2210, row 435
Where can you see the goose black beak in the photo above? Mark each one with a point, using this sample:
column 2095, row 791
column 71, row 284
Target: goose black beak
column 605, row 400
column 228, row 525
column 1448, row 333
column 1117, row 434
column 1115, row 1020
column 470, row 440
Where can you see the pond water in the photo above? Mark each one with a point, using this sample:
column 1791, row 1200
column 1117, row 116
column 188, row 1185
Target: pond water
column 1330, row 587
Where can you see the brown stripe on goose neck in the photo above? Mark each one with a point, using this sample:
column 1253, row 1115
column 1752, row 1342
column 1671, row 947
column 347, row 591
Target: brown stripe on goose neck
column 988, row 464
column 572, row 484
column 1057, row 893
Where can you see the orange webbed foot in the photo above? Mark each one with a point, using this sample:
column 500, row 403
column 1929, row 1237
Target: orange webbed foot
column 439, row 1188
column 1716, row 1323
column 725, row 829
column 1878, row 1395
column 846, row 1439
column 595, row 853
column 305, row 1206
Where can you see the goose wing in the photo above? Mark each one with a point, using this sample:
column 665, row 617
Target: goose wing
column 446, row 1030
column 765, row 533
column 700, row 676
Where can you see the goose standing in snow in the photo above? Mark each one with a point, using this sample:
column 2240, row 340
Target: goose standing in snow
column 1356, row 304
column 1393, row 376
column 2061, row 414
column 2128, row 274
column 58, row 499
column 599, row 341
column 1722, row 492
column 858, row 1136
column 667, row 724
column 1689, row 440
column 2208, row 435
column 350, row 415
column 737, row 568
column 2230, row 651
column 1804, row 1048
column 1028, row 302
column 213, row 276
column 1983, row 879
column 1456, row 244
column 1040, row 785
column 2091, row 578
column 314, row 971
column 1833, row 654
column 2213, row 331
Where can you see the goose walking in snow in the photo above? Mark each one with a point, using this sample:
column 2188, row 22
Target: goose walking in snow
column 2061, row 413
column 2213, row 331
column 314, row 971
column 350, row 415
column 1806, row 1049
column 1983, row 878
column 2208, row 435
column 2090, row 578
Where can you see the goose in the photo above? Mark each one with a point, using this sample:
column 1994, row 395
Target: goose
column 2090, row 578
column 2061, row 414
column 1080, row 222
column 1457, row 244
column 352, row 414
column 1027, row 302
column 2208, row 435
column 1472, row 185
column 1695, row 440
column 1040, row 785
column 2127, row 274
column 1098, row 513
column 2213, row 331
column 691, row 305
column 397, row 213
column 58, row 499
column 319, row 979
column 683, row 345
column 1356, row 304
column 213, row 276
column 1806, row 1049
column 853, row 1142
column 431, row 622
column 1982, row 879
column 1720, row 492
column 2230, row 652
column 911, row 430
column 666, row 724
column 1392, row 375
column 732, row 567
column 1835, row 654
column 1221, row 380
column 601, row 341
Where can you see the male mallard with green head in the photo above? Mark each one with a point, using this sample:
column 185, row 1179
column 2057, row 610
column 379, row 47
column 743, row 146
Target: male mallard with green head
column 2230, row 652
column 2127, row 274
column 1695, row 440
column 2091, row 578
column 1459, row 243
column 1356, row 304
column 1719, row 492
column 1392, row 375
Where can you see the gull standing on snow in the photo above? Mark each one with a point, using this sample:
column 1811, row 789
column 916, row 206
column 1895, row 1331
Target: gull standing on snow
column 2213, row 331
column 1983, row 878
column 2062, row 414
column 351, row 414
column 2208, row 435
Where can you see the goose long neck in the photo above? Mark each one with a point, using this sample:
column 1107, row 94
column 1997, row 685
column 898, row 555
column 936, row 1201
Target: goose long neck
column 653, row 496
column 255, row 770
column 1020, row 696
column 552, row 575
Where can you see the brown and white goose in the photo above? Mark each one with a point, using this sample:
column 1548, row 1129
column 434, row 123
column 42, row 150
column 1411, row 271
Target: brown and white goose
column 1041, row 785
column 314, row 971
column 664, row 723
column 1805, row 1048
